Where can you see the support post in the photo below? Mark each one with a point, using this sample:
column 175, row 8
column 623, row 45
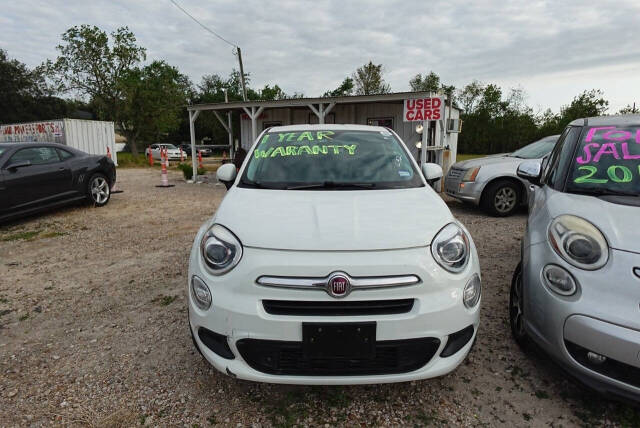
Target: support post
column 253, row 115
column 193, row 115
column 230, row 128
column 423, row 148
column 321, row 115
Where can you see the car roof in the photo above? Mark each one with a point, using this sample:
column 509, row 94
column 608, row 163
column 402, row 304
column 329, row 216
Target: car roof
column 33, row 144
column 619, row 120
column 327, row 127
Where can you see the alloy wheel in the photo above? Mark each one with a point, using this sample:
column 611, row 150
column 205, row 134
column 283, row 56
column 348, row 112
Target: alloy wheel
column 505, row 199
column 99, row 190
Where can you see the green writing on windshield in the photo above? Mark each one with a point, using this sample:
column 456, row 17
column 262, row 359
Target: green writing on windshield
column 329, row 149
column 289, row 137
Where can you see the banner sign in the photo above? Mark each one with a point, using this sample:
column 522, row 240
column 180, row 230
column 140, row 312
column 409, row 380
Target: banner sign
column 31, row 132
column 421, row 109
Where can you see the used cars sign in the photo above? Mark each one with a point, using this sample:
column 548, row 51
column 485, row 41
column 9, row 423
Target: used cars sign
column 421, row 109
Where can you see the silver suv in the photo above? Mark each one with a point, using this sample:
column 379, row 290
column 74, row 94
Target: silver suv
column 576, row 292
column 492, row 182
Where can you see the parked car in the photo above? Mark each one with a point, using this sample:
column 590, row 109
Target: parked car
column 39, row 176
column 206, row 151
column 186, row 148
column 332, row 261
column 173, row 152
column 491, row 182
column 576, row 292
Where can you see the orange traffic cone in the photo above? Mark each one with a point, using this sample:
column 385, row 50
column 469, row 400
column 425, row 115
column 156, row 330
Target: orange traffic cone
column 164, row 178
column 150, row 157
column 200, row 160
column 108, row 152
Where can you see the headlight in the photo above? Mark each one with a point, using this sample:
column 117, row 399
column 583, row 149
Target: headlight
column 450, row 248
column 578, row 242
column 200, row 293
column 472, row 292
column 220, row 250
column 471, row 174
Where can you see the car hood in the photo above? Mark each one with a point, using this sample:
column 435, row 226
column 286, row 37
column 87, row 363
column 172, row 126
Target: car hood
column 340, row 220
column 488, row 160
column 618, row 223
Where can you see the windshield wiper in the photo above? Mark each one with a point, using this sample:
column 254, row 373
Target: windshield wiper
column 603, row 192
column 333, row 185
column 255, row 184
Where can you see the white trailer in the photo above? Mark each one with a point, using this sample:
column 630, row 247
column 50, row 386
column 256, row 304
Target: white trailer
column 90, row 136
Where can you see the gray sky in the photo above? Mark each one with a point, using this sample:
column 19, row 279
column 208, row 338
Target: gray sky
column 553, row 50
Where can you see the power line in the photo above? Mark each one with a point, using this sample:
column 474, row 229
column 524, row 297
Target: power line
column 202, row 25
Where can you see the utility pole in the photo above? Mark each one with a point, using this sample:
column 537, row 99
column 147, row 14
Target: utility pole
column 244, row 87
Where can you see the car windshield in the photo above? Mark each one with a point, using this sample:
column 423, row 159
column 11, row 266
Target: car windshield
column 168, row 146
column 335, row 159
column 536, row 150
column 607, row 162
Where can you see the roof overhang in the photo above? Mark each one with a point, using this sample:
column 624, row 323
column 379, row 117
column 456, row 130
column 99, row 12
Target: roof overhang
column 396, row 97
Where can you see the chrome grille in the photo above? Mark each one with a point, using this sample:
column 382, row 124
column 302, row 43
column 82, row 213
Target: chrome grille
column 455, row 173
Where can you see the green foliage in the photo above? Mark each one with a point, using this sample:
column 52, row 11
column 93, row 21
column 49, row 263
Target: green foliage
column 187, row 170
column 92, row 66
column 153, row 99
column 368, row 80
column 129, row 160
column 345, row 88
column 25, row 95
column 429, row 83
column 495, row 123
column 629, row 109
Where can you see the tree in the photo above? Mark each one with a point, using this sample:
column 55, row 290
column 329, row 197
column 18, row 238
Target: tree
column 345, row 89
column 368, row 80
column 153, row 99
column 629, row 109
column 25, row 95
column 429, row 83
column 469, row 96
column 587, row 104
column 92, row 66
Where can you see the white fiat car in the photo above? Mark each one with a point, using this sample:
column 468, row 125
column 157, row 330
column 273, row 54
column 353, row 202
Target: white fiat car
column 332, row 261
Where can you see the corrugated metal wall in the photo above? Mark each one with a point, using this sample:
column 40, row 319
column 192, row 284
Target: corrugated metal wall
column 91, row 136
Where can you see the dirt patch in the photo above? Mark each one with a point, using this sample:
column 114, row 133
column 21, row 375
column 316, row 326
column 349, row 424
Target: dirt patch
column 93, row 331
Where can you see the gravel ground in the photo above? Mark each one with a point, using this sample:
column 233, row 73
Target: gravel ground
column 93, row 331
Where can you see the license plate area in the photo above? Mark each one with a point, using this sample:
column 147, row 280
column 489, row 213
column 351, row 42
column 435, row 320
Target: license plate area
column 339, row 340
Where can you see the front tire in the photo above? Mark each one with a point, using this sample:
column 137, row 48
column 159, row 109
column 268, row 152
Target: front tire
column 99, row 190
column 516, row 309
column 501, row 198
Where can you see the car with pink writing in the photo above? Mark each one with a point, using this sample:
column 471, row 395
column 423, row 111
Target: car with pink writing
column 576, row 292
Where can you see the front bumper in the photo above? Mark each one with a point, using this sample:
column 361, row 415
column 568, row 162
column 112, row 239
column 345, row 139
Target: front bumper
column 238, row 313
column 602, row 317
column 463, row 191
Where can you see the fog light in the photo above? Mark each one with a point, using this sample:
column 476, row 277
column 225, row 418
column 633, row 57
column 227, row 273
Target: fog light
column 596, row 358
column 559, row 280
column 200, row 293
column 472, row 292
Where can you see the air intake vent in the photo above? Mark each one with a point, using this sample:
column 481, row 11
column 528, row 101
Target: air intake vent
column 335, row 308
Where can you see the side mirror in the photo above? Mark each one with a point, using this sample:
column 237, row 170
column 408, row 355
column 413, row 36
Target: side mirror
column 432, row 172
column 226, row 174
column 19, row 164
column 530, row 171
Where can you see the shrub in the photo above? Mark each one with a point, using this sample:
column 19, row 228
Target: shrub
column 187, row 170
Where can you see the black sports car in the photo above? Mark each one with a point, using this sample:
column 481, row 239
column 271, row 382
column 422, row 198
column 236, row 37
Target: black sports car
column 38, row 176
